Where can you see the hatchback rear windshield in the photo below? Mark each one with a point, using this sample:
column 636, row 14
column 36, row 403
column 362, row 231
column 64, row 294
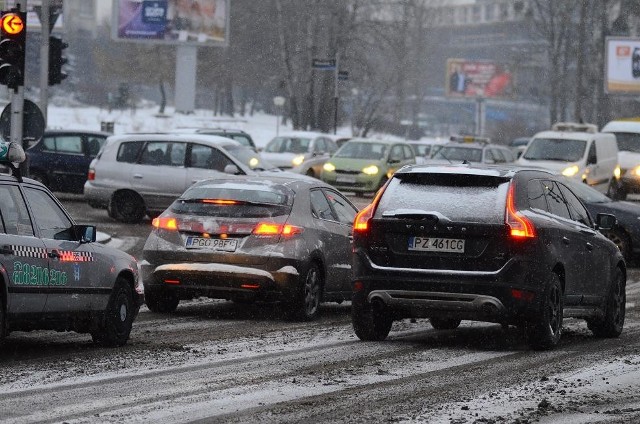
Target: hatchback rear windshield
column 235, row 200
column 458, row 197
column 453, row 153
column 557, row 149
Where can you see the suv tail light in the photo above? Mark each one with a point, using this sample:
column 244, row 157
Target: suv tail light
column 361, row 221
column 91, row 176
column 520, row 226
column 274, row 229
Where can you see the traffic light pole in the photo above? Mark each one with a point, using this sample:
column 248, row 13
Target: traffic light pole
column 44, row 58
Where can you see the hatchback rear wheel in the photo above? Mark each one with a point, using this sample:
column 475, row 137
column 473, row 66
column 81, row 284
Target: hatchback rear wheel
column 545, row 332
column 162, row 301
column 307, row 302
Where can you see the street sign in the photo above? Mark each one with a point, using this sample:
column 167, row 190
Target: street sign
column 324, row 64
column 32, row 127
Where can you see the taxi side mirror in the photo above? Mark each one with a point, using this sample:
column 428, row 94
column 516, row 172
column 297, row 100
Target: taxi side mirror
column 86, row 233
column 605, row 221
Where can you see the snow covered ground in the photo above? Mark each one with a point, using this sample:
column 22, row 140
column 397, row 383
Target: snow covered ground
column 261, row 127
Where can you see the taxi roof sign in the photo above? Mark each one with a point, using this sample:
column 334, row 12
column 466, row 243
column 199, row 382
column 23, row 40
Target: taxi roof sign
column 11, row 152
column 469, row 139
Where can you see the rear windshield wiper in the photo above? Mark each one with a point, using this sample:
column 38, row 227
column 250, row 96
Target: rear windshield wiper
column 416, row 214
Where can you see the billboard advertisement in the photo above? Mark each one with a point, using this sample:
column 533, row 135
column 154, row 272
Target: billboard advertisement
column 195, row 22
column 622, row 65
column 478, row 78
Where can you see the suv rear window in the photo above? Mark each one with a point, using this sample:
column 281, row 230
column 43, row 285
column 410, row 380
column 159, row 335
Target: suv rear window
column 459, row 197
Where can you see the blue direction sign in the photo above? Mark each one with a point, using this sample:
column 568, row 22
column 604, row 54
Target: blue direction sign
column 324, row 64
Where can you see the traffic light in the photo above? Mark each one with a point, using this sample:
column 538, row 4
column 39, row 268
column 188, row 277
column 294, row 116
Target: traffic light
column 13, row 38
column 56, row 60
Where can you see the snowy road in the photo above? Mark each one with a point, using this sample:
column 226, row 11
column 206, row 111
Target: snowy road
column 215, row 361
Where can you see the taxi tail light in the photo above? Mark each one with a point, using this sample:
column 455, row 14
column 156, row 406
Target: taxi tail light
column 519, row 226
column 91, row 175
column 275, row 229
column 169, row 223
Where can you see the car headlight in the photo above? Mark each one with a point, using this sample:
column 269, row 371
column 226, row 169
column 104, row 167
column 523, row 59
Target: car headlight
column 329, row 167
column 253, row 162
column 636, row 171
column 617, row 172
column 297, row 161
column 570, row 171
column 371, row 170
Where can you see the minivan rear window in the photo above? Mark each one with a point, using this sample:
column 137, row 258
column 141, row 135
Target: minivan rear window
column 128, row 151
column 458, row 197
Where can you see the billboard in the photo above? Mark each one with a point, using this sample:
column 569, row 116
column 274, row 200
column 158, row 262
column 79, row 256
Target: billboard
column 194, row 22
column 478, row 78
column 622, row 65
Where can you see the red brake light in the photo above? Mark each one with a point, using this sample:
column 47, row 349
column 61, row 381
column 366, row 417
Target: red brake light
column 165, row 223
column 91, row 176
column 273, row 229
column 520, row 226
column 220, row 201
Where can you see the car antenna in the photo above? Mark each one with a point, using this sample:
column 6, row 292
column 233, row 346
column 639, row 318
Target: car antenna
column 15, row 171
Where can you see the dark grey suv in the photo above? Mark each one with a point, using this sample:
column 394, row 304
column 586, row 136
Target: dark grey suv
column 511, row 246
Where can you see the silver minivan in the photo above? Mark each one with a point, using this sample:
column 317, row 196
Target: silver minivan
column 142, row 174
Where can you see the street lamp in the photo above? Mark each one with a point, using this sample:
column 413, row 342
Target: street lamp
column 278, row 102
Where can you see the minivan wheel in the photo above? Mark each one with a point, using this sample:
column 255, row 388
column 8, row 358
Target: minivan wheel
column 444, row 323
column 128, row 207
column 611, row 325
column 162, row 301
column 545, row 332
column 370, row 322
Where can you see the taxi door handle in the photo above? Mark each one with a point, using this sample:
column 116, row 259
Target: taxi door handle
column 139, row 176
column 6, row 250
column 54, row 254
column 589, row 246
column 565, row 240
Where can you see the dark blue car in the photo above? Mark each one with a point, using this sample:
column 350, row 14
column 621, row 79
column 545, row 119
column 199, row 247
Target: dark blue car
column 626, row 233
column 60, row 160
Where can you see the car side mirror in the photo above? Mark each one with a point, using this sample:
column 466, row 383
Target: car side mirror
column 86, row 233
column 393, row 161
column 605, row 221
column 231, row 169
column 592, row 160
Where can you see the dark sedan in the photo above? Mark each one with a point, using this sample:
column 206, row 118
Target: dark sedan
column 626, row 233
column 252, row 239
column 60, row 160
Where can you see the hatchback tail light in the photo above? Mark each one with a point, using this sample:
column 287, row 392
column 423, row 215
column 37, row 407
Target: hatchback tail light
column 91, row 176
column 361, row 221
column 165, row 223
column 519, row 225
column 275, row 229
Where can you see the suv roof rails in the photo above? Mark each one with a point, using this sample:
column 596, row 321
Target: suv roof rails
column 574, row 127
column 469, row 139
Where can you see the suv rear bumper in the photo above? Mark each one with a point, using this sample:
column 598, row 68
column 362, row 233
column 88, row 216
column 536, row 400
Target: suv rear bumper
column 510, row 294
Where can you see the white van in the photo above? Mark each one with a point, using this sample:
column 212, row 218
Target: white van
column 628, row 136
column 577, row 151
